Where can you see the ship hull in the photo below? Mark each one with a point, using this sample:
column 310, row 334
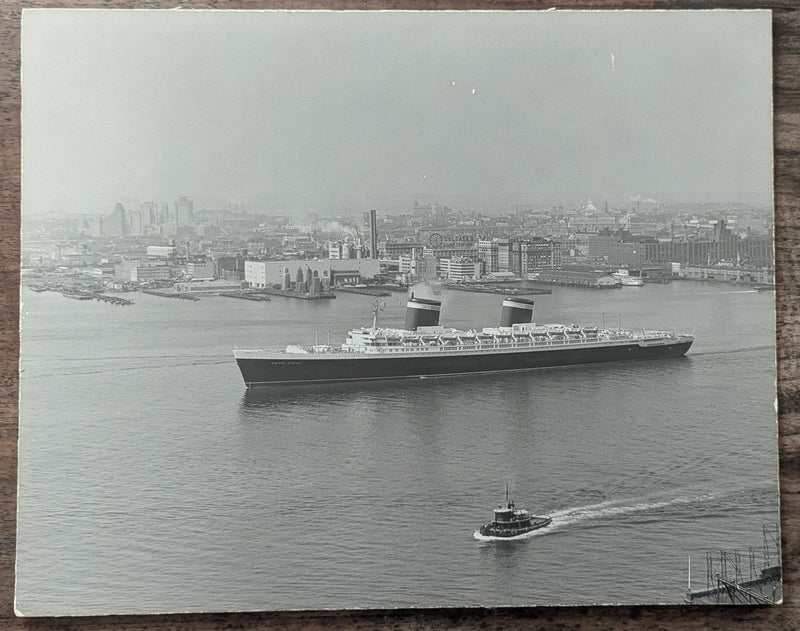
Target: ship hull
column 509, row 532
column 285, row 369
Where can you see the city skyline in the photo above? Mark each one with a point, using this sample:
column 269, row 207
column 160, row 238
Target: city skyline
column 307, row 110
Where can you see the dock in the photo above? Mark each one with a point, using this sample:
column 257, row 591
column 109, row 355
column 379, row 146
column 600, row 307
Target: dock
column 77, row 292
column 85, row 294
column 171, row 294
column 114, row 300
column 390, row 287
column 287, row 293
column 590, row 280
column 245, row 295
column 366, row 291
column 751, row 576
column 484, row 288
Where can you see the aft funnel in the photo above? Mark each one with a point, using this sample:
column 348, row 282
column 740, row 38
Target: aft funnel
column 421, row 312
column 516, row 311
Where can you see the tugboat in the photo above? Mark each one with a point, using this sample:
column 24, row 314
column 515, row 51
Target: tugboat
column 511, row 522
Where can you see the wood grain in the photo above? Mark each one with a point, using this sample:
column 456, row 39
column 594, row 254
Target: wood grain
column 786, row 52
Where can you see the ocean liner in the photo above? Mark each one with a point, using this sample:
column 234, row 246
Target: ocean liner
column 423, row 348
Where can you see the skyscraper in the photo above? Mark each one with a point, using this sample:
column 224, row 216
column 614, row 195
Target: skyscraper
column 117, row 224
column 184, row 212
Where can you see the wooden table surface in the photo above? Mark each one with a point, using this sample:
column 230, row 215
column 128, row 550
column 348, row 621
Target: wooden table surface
column 786, row 77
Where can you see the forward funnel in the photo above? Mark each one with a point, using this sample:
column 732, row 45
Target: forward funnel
column 516, row 311
column 421, row 312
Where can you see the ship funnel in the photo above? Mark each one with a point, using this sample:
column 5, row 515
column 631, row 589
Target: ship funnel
column 421, row 312
column 516, row 311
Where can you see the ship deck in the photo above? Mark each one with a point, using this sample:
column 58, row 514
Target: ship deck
column 421, row 350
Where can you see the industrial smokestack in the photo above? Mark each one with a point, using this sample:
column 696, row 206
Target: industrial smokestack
column 421, row 312
column 516, row 311
column 373, row 234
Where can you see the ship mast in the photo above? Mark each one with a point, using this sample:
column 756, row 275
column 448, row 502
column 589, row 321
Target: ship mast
column 376, row 306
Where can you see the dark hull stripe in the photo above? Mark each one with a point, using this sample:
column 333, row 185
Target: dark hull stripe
column 284, row 371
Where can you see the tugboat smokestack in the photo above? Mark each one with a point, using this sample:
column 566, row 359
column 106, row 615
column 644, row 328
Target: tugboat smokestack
column 516, row 311
column 421, row 312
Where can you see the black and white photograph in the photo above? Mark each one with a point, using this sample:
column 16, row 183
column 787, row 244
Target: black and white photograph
column 365, row 310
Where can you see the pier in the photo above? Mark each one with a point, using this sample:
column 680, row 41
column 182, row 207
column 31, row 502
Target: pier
column 170, row 294
column 245, row 295
column 77, row 295
column 114, row 300
column 390, row 287
column 287, row 293
column 81, row 293
column 486, row 288
column 590, row 280
column 751, row 576
column 366, row 291
column 84, row 294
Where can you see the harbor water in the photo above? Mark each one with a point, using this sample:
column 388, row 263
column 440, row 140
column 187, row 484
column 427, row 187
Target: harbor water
column 151, row 480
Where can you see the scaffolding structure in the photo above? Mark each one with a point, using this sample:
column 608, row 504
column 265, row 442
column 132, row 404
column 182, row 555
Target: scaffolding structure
column 744, row 576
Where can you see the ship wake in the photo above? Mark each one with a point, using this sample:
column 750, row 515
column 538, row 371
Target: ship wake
column 612, row 509
column 609, row 510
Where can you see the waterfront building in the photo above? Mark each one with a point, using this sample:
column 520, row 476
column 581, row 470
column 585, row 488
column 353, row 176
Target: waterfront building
column 427, row 265
column 699, row 244
column 407, row 264
column 487, row 252
column 734, row 274
column 229, row 267
column 598, row 247
column 752, row 251
column 574, row 248
column 354, row 270
column 201, row 268
column 391, row 249
column 503, row 255
column 447, row 237
column 256, row 275
column 542, row 254
column 524, row 256
column 460, row 268
column 626, row 254
column 142, row 270
column 454, row 250
column 273, row 273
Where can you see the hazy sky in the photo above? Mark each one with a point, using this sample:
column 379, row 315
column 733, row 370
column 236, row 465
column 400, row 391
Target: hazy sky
column 307, row 107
